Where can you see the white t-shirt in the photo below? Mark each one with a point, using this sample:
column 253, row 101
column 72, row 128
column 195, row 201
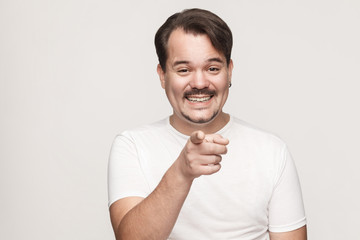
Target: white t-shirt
column 257, row 189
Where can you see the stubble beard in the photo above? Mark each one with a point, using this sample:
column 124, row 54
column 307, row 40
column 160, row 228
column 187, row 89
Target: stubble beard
column 200, row 120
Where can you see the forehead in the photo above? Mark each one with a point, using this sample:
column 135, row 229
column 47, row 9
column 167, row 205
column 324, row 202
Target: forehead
column 190, row 47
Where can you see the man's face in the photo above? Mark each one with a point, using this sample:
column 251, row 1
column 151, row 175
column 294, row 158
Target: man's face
column 197, row 78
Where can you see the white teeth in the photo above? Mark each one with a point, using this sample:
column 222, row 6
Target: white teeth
column 202, row 99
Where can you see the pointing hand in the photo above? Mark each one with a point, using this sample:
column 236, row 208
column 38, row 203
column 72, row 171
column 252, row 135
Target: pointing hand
column 202, row 154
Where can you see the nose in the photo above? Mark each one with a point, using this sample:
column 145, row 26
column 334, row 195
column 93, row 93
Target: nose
column 199, row 80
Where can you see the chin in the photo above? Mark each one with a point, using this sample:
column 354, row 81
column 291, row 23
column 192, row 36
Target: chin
column 200, row 119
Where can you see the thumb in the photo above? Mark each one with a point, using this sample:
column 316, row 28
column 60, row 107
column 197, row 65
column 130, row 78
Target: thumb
column 197, row 137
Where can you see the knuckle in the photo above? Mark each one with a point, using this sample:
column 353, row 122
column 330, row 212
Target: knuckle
column 216, row 159
column 188, row 148
column 218, row 135
column 225, row 150
column 212, row 169
column 212, row 148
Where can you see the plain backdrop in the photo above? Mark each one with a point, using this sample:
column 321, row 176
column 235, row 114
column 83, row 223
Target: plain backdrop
column 75, row 73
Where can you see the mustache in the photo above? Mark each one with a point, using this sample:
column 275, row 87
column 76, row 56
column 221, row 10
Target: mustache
column 196, row 91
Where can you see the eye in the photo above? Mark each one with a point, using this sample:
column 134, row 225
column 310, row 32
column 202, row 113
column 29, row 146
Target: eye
column 183, row 70
column 213, row 69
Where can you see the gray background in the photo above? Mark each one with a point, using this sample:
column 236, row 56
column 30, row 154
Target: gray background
column 74, row 73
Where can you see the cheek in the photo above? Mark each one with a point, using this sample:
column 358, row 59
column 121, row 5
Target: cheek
column 221, row 84
column 173, row 91
column 176, row 86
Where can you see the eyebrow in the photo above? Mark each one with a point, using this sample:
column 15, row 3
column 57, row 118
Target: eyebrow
column 180, row 62
column 219, row 60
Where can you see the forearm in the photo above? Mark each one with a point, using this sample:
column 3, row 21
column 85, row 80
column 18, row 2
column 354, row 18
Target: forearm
column 298, row 234
column 155, row 216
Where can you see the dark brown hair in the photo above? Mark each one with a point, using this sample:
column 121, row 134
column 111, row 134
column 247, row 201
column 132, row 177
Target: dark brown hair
column 195, row 21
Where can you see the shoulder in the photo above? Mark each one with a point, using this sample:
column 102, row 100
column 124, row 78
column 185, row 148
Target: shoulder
column 245, row 130
column 130, row 141
column 145, row 133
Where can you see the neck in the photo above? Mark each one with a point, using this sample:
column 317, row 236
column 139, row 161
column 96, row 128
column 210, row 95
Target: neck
column 186, row 127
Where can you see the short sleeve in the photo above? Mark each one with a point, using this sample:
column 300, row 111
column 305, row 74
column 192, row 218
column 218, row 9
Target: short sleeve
column 125, row 176
column 286, row 208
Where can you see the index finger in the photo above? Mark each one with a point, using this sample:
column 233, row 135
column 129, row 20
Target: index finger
column 216, row 138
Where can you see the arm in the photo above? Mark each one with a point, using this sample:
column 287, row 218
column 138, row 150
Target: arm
column 155, row 216
column 298, row 234
column 286, row 205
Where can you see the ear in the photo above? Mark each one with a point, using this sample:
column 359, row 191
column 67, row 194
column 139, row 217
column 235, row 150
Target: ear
column 230, row 69
column 161, row 75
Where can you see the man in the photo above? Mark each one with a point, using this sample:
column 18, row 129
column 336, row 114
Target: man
column 201, row 173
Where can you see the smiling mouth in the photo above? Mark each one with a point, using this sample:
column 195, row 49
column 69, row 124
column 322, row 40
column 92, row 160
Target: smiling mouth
column 198, row 99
